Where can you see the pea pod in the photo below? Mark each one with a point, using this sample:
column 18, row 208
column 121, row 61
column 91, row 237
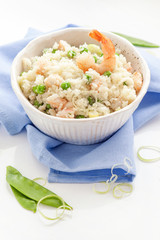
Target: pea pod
column 24, row 201
column 137, row 41
column 31, row 189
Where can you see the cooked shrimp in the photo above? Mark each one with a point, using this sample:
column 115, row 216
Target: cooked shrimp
column 66, row 113
column 57, row 102
column 63, row 45
column 86, row 61
column 138, row 81
column 41, row 66
column 40, row 70
column 53, row 79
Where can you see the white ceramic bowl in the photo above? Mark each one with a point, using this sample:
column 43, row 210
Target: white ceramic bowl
column 78, row 131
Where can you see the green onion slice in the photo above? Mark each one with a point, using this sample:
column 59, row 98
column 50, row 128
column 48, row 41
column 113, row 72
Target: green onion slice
column 93, row 48
column 95, row 59
column 148, row 159
column 89, row 78
column 40, row 178
column 121, row 189
column 106, row 185
column 127, row 163
column 83, row 50
column 113, row 178
column 71, row 54
column 57, row 216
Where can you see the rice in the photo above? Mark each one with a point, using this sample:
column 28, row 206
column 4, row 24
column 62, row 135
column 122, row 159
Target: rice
column 55, row 85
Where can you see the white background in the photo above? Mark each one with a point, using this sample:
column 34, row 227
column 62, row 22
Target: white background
column 94, row 216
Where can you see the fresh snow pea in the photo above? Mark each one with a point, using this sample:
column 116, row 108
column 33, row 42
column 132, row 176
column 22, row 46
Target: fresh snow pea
column 31, row 189
column 24, row 201
column 137, row 41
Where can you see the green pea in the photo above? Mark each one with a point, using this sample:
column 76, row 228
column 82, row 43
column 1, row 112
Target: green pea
column 71, row 54
column 80, row 116
column 95, row 59
column 107, row 73
column 65, row 85
column 84, row 50
column 37, row 104
column 24, row 201
column 48, row 106
column 117, row 54
column 31, row 189
column 54, row 50
column 91, row 100
column 39, row 89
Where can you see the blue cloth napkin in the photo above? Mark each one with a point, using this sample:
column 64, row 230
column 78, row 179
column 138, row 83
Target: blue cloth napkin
column 70, row 163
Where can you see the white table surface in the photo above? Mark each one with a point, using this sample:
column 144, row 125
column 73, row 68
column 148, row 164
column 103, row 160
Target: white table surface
column 94, row 216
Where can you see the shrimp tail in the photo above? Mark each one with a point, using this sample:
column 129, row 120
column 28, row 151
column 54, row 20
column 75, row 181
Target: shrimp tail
column 108, row 63
column 95, row 34
column 107, row 45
